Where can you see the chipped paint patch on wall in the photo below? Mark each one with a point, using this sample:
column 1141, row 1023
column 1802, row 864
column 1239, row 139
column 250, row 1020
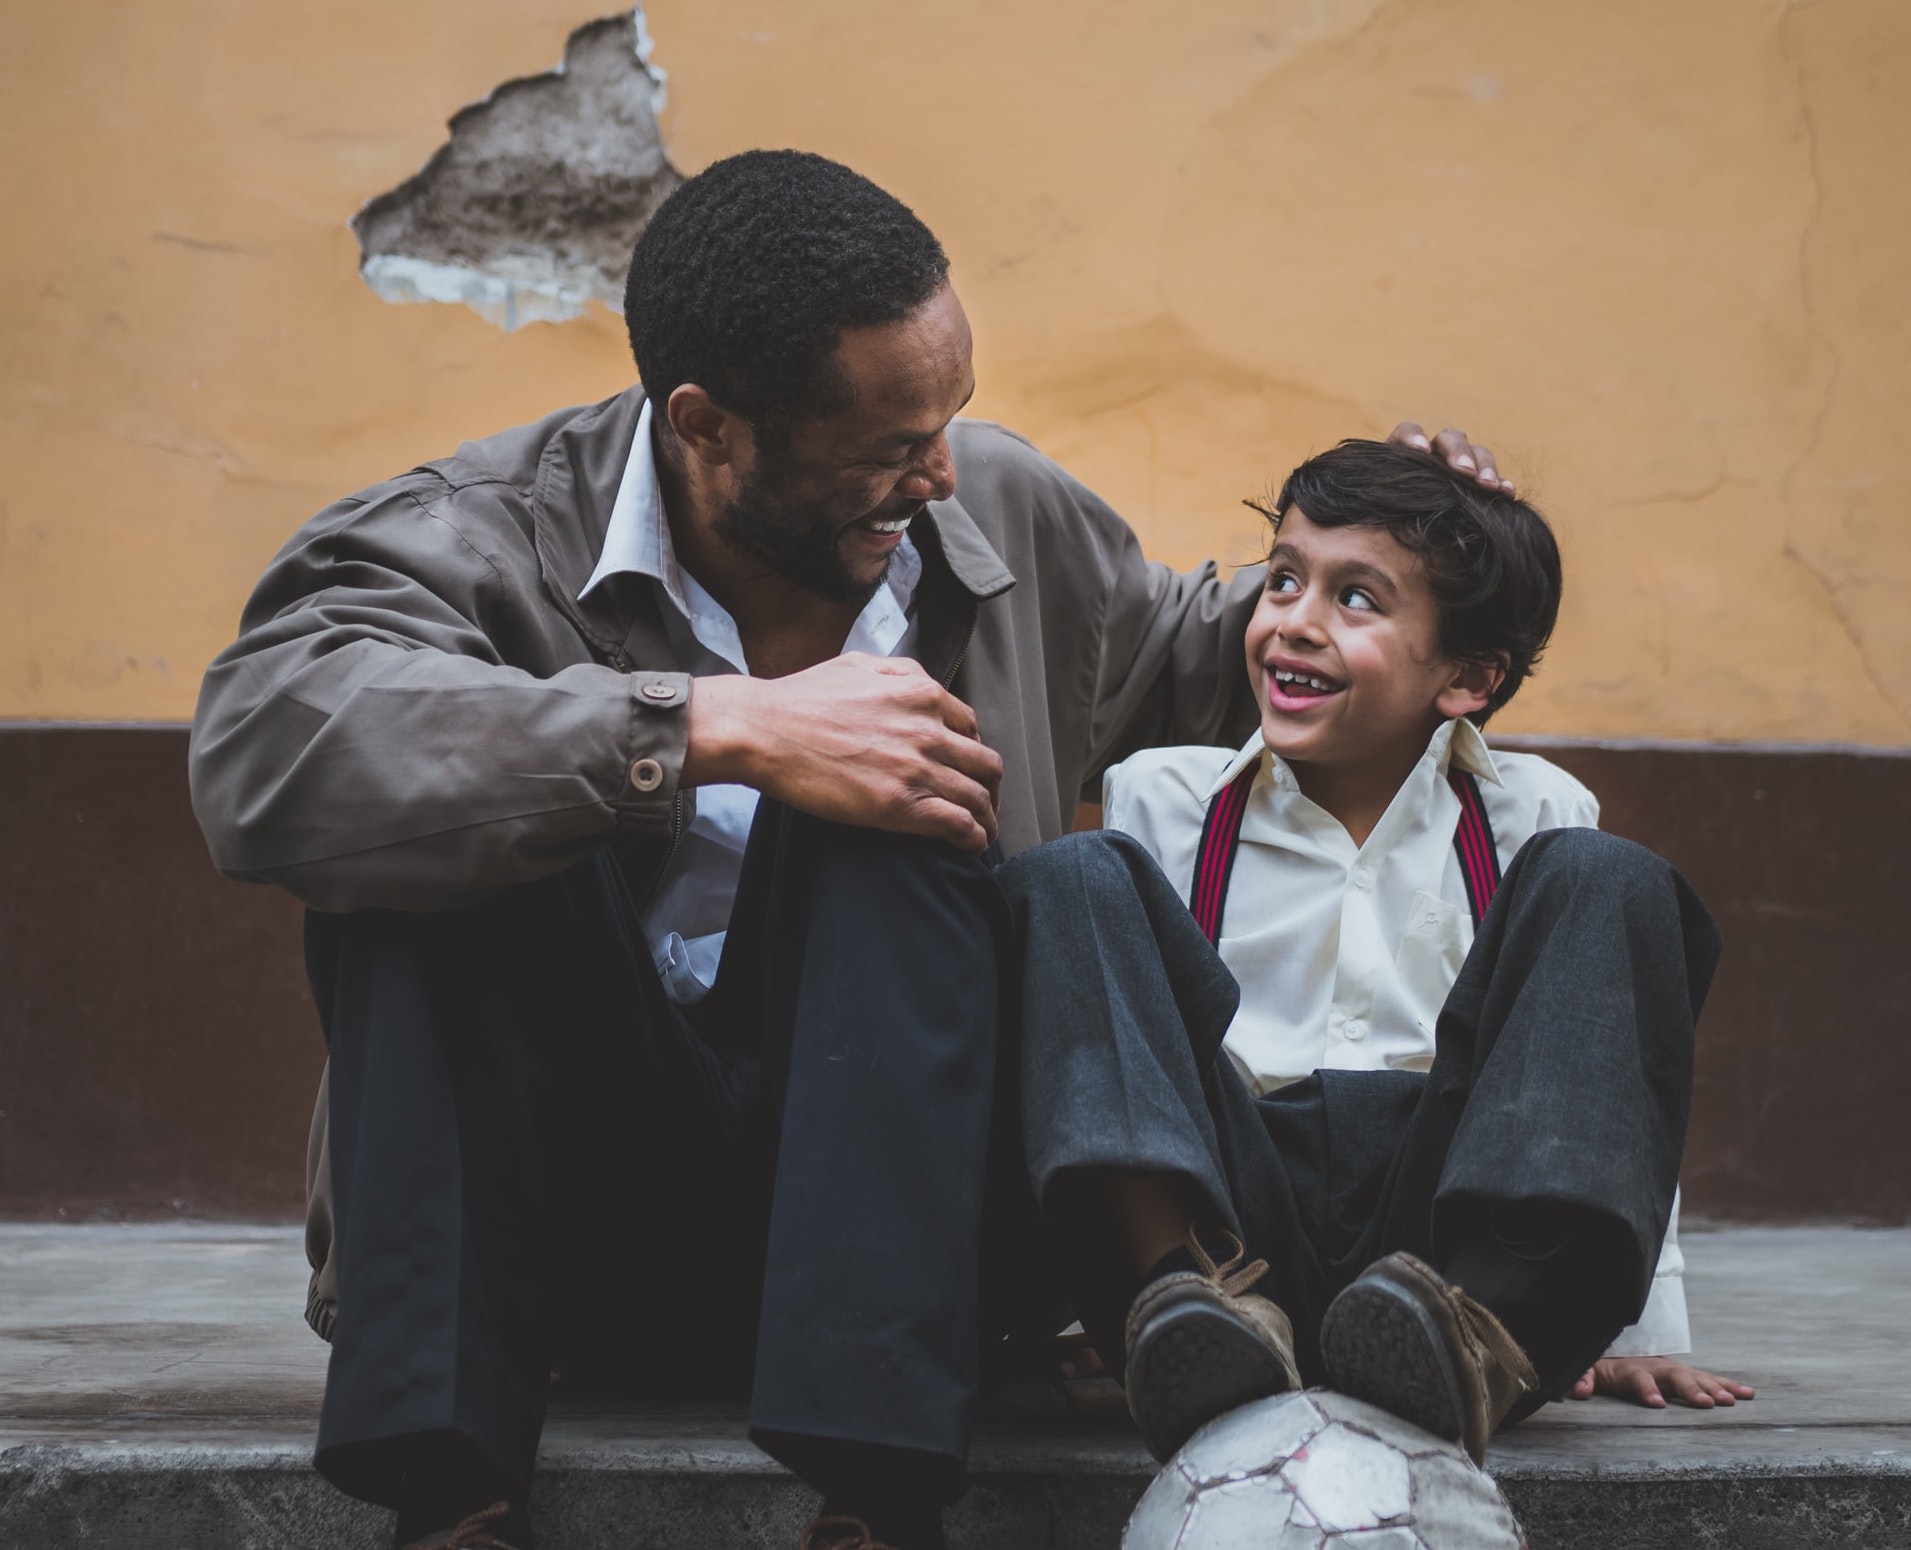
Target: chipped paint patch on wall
column 528, row 212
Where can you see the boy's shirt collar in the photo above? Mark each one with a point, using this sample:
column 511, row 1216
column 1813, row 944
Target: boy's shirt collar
column 1456, row 742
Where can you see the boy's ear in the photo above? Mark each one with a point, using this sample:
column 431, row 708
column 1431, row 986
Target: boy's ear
column 1471, row 688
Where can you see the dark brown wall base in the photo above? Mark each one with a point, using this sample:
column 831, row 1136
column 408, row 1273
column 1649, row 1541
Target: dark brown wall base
column 1802, row 1103
column 158, row 1049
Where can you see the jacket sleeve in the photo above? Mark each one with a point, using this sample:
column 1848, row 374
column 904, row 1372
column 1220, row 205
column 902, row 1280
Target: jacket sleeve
column 1172, row 667
column 364, row 744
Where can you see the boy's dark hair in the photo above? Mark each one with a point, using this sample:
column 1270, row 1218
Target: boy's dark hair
column 1491, row 561
column 748, row 272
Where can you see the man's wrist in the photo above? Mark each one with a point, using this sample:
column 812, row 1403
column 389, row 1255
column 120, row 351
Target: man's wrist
column 725, row 731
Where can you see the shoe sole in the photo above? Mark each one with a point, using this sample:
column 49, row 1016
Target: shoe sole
column 1382, row 1345
column 1192, row 1361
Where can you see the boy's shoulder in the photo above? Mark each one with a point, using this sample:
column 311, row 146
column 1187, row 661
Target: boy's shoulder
column 1535, row 793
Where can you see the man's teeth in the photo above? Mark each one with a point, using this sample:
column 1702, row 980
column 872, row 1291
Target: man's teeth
column 1282, row 675
column 894, row 525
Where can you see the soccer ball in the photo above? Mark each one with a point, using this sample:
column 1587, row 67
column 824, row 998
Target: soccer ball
column 1320, row 1471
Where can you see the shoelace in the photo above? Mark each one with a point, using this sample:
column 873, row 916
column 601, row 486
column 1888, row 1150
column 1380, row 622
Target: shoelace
column 1233, row 1277
column 470, row 1534
column 1488, row 1337
column 837, row 1525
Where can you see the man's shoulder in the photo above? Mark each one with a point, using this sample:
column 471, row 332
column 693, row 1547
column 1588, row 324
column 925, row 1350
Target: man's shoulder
column 998, row 467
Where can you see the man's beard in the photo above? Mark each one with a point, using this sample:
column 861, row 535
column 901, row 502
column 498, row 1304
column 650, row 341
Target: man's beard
column 799, row 546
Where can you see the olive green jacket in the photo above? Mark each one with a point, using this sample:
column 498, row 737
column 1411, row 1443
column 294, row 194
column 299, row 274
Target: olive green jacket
column 420, row 711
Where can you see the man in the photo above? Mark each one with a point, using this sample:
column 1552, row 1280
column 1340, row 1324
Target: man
column 630, row 1072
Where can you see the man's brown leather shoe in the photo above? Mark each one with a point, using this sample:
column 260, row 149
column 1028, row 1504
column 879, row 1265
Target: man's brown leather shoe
column 1200, row 1344
column 835, row 1533
column 470, row 1534
column 1404, row 1339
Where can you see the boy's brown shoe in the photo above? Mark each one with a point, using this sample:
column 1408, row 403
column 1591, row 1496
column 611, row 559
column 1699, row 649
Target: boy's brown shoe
column 1404, row 1339
column 1200, row 1344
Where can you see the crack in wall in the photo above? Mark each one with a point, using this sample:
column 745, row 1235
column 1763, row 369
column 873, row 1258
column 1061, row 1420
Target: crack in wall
column 1836, row 589
column 529, row 211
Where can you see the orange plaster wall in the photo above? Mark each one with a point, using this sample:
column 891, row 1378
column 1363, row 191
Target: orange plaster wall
column 1655, row 253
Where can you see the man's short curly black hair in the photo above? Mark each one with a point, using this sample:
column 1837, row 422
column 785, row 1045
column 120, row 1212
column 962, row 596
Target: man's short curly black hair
column 1491, row 561
column 748, row 273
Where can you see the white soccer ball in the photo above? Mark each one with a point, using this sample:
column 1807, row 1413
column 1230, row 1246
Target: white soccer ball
column 1320, row 1471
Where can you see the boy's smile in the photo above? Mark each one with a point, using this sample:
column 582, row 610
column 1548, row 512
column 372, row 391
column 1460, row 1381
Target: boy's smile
column 1344, row 654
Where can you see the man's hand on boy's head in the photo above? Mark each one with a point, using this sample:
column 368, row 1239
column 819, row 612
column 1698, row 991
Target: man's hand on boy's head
column 1649, row 1380
column 1459, row 453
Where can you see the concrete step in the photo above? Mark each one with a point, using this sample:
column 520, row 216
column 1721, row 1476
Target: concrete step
column 157, row 1388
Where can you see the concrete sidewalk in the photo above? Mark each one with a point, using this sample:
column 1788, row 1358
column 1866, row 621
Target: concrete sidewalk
column 158, row 1388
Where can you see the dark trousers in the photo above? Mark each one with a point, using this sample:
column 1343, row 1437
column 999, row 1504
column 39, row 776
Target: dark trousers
column 805, row 1191
column 1560, row 1085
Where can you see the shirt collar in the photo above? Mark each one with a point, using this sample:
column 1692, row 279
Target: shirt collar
column 1457, row 741
column 637, row 540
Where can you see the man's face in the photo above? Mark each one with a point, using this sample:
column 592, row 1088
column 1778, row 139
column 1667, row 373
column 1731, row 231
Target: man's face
column 827, row 503
column 1343, row 649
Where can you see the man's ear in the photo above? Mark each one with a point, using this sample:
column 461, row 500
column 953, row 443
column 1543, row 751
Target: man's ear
column 703, row 427
column 1471, row 687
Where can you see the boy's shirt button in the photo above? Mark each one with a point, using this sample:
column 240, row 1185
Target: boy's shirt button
column 1363, row 879
column 1353, row 1029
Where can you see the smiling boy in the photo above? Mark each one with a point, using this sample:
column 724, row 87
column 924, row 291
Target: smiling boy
column 1450, row 1115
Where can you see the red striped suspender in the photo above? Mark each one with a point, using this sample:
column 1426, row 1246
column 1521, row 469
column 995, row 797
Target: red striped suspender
column 1473, row 840
column 1214, row 861
column 1221, row 839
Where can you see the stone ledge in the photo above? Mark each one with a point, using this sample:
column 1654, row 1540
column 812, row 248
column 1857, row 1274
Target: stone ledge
column 157, row 1388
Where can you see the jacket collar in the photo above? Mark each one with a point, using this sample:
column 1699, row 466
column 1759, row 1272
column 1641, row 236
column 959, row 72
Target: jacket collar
column 576, row 486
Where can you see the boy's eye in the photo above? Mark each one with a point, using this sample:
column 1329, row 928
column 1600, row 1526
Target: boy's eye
column 1282, row 581
column 1357, row 598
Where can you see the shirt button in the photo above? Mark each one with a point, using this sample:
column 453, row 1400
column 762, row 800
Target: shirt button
column 662, row 693
column 1363, row 879
column 646, row 774
column 1354, row 1029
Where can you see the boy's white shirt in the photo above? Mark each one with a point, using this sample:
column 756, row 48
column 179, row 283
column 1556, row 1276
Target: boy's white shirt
column 1345, row 953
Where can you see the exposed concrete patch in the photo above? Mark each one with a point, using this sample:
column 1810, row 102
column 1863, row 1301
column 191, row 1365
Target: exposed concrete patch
column 529, row 211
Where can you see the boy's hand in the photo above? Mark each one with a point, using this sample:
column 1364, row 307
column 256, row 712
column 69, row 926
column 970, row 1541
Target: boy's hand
column 1647, row 1380
column 1459, row 453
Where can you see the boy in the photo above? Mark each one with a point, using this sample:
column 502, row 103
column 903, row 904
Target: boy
column 1449, row 1119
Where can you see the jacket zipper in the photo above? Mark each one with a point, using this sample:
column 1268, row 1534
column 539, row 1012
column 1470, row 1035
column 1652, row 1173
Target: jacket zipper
column 948, row 678
column 670, row 850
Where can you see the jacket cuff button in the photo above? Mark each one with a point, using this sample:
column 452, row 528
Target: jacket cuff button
column 646, row 775
column 662, row 693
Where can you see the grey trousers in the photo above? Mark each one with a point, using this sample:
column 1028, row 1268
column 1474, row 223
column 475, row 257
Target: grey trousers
column 1561, row 1083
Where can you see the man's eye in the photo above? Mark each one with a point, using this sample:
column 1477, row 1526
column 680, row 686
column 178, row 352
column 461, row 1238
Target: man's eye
column 1355, row 598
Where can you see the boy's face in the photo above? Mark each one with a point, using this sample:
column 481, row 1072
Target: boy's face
column 1344, row 650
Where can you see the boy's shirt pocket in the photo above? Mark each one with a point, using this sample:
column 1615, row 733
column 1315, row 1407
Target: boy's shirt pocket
column 1432, row 948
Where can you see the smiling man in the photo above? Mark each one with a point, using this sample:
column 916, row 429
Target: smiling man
column 637, row 767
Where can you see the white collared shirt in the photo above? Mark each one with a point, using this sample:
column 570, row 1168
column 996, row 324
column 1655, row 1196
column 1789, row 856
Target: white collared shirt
column 689, row 914
column 1345, row 953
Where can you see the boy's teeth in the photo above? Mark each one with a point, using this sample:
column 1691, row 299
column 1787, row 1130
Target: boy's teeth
column 1281, row 675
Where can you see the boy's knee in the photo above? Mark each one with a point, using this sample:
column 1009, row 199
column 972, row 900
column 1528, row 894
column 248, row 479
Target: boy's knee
column 1085, row 864
column 1591, row 856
